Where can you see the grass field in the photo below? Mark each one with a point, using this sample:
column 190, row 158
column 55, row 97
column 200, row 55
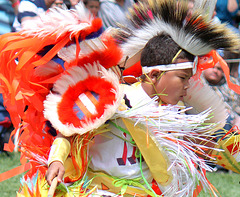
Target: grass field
column 9, row 187
column 228, row 185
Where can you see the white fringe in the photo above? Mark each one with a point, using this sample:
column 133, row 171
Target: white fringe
column 169, row 126
column 201, row 96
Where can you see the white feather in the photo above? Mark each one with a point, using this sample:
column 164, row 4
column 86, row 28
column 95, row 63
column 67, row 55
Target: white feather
column 58, row 21
column 169, row 127
column 201, row 97
column 206, row 7
column 68, row 53
column 184, row 39
column 77, row 74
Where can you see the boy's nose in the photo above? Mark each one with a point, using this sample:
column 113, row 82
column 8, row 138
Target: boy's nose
column 186, row 86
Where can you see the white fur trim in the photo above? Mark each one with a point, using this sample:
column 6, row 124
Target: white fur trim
column 77, row 74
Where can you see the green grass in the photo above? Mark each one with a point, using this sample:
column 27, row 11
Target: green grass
column 9, row 187
column 227, row 184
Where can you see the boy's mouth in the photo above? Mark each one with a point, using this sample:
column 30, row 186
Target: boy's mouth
column 181, row 98
column 184, row 94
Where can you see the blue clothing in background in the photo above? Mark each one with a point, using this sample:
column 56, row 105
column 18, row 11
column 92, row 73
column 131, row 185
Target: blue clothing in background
column 6, row 16
column 3, row 112
column 112, row 13
column 222, row 12
column 29, row 8
column 4, row 115
column 5, row 125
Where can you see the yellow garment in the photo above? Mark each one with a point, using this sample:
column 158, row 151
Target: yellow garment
column 153, row 155
column 60, row 150
column 106, row 182
column 230, row 157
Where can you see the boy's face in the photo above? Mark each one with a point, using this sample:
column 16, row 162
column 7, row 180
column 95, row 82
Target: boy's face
column 173, row 85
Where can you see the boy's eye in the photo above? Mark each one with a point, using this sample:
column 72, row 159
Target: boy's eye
column 182, row 77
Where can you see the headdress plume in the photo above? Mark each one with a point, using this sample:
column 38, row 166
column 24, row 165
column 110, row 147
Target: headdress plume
column 192, row 31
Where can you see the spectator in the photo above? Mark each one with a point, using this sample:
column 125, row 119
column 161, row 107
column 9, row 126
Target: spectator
column 114, row 11
column 233, row 63
column 73, row 3
column 29, row 9
column 15, row 5
column 215, row 78
column 5, row 125
column 226, row 10
column 58, row 3
column 93, row 6
column 8, row 9
column 65, row 4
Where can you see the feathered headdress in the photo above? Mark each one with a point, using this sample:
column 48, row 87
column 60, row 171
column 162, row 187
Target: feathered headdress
column 206, row 7
column 192, row 31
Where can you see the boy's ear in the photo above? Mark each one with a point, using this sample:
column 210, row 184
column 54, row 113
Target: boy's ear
column 154, row 75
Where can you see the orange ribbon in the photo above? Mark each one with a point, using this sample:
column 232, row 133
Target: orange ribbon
column 209, row 61
column 14, row 172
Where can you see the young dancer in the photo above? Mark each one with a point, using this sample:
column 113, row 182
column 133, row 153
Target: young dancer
column 111, row 139
column 167, row 68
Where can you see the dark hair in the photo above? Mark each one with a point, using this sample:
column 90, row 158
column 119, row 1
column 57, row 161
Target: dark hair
column 160, row 50
column 86, row 1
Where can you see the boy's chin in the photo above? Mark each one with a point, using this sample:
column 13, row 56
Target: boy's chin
column 170, row 102
column 176, row 101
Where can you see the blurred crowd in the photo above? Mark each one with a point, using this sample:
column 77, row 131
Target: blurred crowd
column 14, row 13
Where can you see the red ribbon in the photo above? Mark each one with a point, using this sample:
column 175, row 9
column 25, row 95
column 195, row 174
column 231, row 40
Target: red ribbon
column 14, row 172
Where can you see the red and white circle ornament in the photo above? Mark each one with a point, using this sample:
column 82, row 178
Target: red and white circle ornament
column 83, row 99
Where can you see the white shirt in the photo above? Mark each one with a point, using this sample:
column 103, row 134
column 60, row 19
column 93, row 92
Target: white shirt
column 107, row 150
